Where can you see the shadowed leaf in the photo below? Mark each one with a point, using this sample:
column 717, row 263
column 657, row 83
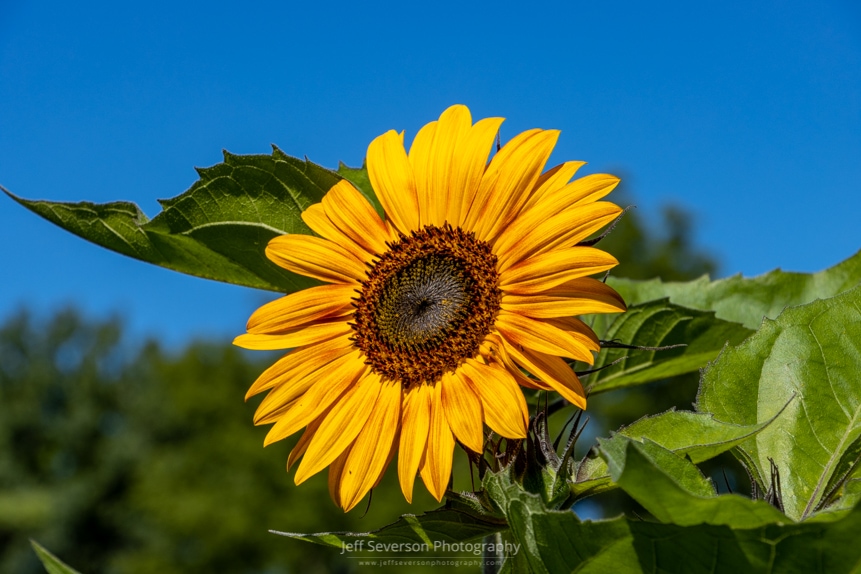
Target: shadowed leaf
column 444, row 525
column 673, row 490
column 558, row 541
column 661, row 324
column 695, row 436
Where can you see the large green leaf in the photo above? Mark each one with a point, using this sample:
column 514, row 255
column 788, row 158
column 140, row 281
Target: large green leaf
column 661, row 324
column 541, row 532
column 51, row 563
column 813, row 353
column 694, row 436
column 673, row 490
column 746, row 300
column 621, row 456
column 786, row 549
column 556, row 541
column 218, row 229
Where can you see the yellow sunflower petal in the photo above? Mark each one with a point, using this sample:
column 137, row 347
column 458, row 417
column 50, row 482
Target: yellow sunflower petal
column 298, row 363
column 342, row 425
column 315, row 257
column 415, row 424
column 478, row 209
column 504, row 406
column 285, row 395
column 453, row 126
column 392, row 450
column 356, row 218
column 431, row 156
column 370, row 451
column 553, row 201
column 336, row 472
column 517, row 176
column 392, row 178
column 552, row 180
column 463, row 411
column 548, row 270
column 436, row 470
column 493, row 349
column 315, row 217
column 335, row 380
column 577, row 328
column 589, row 188
column 579, row 296
column 295, row 338
column 420, row 159
column 565, row 228
column 541, row 337
column 470, row 161
column 303, row 443
column 553, row 371
column 572, row 225
column 532, row 217
column 581, row 191
column 274, row 411
column 301, row 307
column 587, row 287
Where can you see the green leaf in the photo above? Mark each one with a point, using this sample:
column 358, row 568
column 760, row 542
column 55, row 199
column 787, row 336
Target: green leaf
column 545, row 547
column 218, row 229
column 786, row 549
column 51, row 563
column 695, row 436
column 849, row 464
column 847, row 496
column 674, row 491
column 512, row 562
column 556, row 541
column 746, row 300
column 661, row 324
column 442, row 525
column 813, row 353
column 627, row 457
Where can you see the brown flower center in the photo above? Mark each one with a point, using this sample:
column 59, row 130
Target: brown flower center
column 427, row 304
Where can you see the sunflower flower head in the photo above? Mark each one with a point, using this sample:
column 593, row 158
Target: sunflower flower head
column 428, row 318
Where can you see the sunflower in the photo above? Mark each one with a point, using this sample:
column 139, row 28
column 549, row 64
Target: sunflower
column 428, row 319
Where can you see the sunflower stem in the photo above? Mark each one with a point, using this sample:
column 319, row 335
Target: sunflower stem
column 491, row 553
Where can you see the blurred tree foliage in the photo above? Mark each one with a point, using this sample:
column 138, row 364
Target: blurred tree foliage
column 123, row 457
column 656, row 249
column 137, row 460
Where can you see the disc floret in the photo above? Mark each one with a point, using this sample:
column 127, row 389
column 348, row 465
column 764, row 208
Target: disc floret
column 427, row 304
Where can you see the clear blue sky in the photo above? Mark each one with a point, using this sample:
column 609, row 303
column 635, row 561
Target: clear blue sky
column 747, row 113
